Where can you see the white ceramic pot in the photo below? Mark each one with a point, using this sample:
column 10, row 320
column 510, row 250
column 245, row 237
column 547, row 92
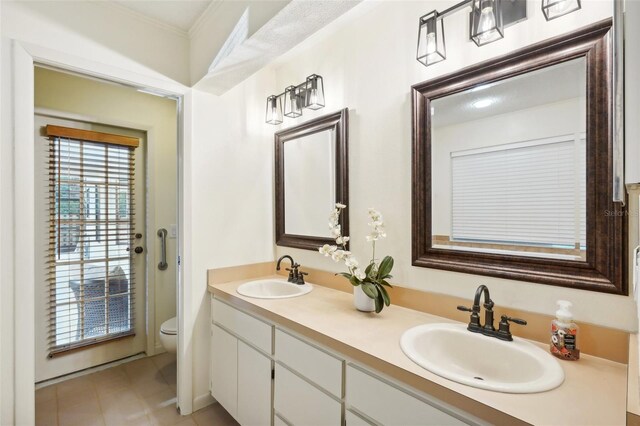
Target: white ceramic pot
column 361, row 301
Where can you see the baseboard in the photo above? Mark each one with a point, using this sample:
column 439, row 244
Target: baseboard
column 201, row 401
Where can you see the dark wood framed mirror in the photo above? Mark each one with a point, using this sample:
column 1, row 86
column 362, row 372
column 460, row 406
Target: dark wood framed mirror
column 513, row 167
column 311, row 176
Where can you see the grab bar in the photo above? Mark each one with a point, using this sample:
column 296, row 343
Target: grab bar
column 162, row 233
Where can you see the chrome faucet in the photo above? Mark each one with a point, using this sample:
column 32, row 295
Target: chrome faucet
column 503, row 332
column 296, row 276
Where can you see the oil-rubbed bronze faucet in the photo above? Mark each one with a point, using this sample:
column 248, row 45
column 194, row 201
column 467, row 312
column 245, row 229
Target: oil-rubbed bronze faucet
column 296, row 276
column 503, row 332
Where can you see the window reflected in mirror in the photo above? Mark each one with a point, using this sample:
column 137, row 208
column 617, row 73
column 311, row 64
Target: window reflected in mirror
column 509, row 166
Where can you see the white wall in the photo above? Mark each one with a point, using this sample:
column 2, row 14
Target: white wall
column 232, row 192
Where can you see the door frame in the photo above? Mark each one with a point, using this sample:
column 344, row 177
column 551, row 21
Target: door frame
column 24, row 57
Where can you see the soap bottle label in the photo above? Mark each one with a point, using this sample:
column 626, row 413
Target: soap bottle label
column 563, row 342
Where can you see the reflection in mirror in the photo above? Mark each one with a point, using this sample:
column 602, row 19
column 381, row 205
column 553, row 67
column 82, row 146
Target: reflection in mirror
column 309, row 183
column 509, row 165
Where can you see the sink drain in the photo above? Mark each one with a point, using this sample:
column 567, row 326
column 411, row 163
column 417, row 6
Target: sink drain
column 478, row 378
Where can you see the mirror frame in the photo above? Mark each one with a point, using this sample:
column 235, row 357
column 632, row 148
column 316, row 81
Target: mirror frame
column 605, row 268
column 339, row 122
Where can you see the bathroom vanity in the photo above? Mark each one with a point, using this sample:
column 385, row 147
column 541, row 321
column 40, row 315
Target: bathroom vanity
column 315, row 360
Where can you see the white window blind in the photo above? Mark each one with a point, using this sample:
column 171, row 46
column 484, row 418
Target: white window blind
column 90, row 276
column 530, row 193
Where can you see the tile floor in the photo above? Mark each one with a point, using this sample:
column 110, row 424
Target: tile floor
column 141, row 392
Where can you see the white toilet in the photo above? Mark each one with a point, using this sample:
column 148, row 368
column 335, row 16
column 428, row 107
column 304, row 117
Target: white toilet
column 169, row 335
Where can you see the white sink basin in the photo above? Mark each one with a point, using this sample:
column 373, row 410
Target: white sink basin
column 273, row 289
column 453, row 352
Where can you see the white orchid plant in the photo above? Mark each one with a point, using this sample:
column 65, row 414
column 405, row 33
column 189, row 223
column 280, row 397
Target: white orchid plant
column 372, row 279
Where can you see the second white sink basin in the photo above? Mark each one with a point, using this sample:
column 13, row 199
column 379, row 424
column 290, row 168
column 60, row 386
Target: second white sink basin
column 453, row 352
column 273, row 289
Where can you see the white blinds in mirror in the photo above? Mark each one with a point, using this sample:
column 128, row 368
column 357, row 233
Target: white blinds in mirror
column 530, row 193
column 90, row 275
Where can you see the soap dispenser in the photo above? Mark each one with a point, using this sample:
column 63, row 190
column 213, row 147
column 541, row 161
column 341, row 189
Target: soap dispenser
column 564, row 333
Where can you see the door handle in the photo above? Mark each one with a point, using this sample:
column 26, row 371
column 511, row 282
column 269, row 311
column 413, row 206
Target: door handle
column 162, row 233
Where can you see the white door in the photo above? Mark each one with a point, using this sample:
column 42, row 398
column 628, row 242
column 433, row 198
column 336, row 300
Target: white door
column 90, row 279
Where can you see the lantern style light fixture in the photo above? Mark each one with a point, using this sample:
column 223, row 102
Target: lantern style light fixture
column 314, row 90
column 309, row 94
column 487, row 21
column 431, row 45
column 274, row 110
column 292, row 102
column 553, row 9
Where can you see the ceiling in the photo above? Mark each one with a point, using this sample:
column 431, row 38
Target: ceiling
column 179, row 14
column 553, row 84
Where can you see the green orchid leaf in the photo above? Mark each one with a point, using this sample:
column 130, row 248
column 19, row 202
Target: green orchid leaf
column 345, row 274
column 379, row 304
column 385, row 282
column 369, row 268
column 370, row 290
column 385, row 266
column 354, row 281
column 385, row 295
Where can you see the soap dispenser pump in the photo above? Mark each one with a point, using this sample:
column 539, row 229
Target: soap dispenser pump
column 564, row 333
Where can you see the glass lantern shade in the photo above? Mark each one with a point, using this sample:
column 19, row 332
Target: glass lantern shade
column 292, row 102
column 314, row 92
column 431, row 45
column 274, row 110
column 553, row 9
column 486, row 21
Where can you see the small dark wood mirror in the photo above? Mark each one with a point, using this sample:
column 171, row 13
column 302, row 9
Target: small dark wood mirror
column 311, row 165
column 513, row 167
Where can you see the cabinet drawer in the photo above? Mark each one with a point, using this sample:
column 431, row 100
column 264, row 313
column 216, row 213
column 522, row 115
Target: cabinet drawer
column 389, row 405
column 316, row 365
column 303, row 404
column 245, row 326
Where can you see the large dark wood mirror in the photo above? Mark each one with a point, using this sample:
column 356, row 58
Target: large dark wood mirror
column 513, row 167
column 311, row 177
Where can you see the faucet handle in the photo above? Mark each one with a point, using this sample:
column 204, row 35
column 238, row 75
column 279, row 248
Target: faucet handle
column 514, row 320
column 504, row 332
column 464, row 308
column 292, row 274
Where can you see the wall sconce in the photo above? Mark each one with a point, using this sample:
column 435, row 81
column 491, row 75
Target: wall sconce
column 431, row 45
column 274, row 110
column 309, row 94
column 487, row 21
column 553, row 9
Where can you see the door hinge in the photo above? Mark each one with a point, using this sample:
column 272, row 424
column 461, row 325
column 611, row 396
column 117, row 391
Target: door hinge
column 273, row 374
column 178, row 260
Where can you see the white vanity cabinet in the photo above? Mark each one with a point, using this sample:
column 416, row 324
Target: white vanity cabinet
column 241, row 366
column 310, row 385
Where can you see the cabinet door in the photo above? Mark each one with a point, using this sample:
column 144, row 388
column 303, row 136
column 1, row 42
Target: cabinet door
column 224, row 369
column 303, row 404
column 254, row 387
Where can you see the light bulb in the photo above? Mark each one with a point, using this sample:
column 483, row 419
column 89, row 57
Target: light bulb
column 487, row 24
column 313, row 97
column 431, row 43
column 273, row 112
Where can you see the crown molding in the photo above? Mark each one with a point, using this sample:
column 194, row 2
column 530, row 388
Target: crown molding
column 144, row 18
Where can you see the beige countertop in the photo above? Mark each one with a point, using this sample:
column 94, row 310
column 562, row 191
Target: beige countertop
column 594, row 391
column 633, row 383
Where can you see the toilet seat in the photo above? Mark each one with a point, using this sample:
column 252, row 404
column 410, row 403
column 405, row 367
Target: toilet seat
column 169, row 327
